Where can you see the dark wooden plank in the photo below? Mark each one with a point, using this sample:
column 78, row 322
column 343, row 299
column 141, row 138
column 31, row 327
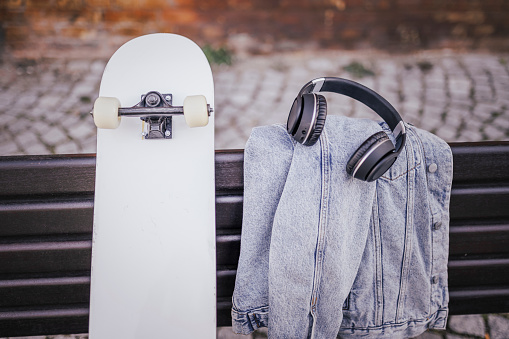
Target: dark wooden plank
column 229, row 170
column 470, row 240
column 47, row 216
column 34, row 175
column 40, row 257
column 492, row 299
column 227, row 250
column 225, row 283
column 480, row 162
column 224, row 309
column 45, row 291
column 229, row 212
column 478, row 272
column 44, row 322
column 480, row 203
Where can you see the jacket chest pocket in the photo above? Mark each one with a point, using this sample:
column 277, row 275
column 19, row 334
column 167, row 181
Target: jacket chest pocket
column 408, row 160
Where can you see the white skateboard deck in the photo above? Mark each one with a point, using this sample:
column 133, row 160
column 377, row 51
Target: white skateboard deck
column 153, row 253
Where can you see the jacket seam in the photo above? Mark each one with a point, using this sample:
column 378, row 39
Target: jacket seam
column 379, row 306
column 324, row 207
column 407, row 249
column 395, row 324
column 402, row 174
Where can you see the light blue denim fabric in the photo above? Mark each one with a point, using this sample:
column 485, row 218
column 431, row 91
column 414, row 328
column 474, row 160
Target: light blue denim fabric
column 323, row 253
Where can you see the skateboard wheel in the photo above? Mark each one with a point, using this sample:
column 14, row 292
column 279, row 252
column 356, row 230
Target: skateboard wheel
column 195, row 111
column 106, row 112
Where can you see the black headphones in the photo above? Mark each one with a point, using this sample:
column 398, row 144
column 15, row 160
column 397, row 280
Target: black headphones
column 377, row 154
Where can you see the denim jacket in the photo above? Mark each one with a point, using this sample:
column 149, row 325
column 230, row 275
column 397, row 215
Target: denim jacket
column 324, row 254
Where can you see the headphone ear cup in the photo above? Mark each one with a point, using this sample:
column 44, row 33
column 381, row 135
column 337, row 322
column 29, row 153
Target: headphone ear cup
column 373, row 142
column 321, row 115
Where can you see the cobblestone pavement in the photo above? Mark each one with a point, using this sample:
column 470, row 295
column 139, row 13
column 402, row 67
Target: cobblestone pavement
column 459, row 96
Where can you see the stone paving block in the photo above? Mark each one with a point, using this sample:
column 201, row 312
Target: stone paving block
column 11, row 95
column 436, row 94
column 455, row 336
column 53, row 136
column 81, row 130
column 8, row 117
column 472, row 324
column 429, row 335
column 224, row 77
column 89, row 145
column 62, row 89
column 9, row 148
column 499, row 326
column 491, row 132
column 19, row 125
column 68, row 147
column 28, row 140
column 48, row 102
column 229, row 139
column 87, row 89
column 26, row 100
column 501, row 124
column 40, row 127
column 446, row 133
column 241, row 99
column 484, row 94
column 35, row 148
column 227, row 333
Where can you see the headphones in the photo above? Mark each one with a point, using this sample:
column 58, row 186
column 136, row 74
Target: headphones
column 377, row 154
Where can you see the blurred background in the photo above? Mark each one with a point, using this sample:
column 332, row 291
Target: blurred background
column 444, row 65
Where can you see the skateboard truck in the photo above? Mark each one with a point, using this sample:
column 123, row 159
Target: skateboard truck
column 156, row 110
column 159, row 127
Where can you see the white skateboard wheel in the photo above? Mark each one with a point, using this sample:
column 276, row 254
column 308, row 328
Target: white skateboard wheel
column 195, row 111
column 106, row 112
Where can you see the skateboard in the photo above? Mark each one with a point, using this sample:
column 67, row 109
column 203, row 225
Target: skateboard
column 153, row 250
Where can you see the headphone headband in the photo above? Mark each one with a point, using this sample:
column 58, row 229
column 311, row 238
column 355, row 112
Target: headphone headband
column 365, row 95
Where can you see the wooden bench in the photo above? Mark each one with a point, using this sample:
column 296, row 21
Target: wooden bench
column 46, row 212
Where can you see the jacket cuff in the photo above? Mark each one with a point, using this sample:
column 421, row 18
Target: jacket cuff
column 249, row 321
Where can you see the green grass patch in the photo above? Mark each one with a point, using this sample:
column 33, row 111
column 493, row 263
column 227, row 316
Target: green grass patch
column 218, row 56
column 358, row 70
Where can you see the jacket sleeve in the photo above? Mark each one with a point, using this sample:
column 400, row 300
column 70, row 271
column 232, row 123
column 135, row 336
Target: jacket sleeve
column 267, row 158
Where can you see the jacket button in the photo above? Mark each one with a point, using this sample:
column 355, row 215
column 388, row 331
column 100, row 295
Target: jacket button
column 437, row 225
column 435, row 279
column 432, row 168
